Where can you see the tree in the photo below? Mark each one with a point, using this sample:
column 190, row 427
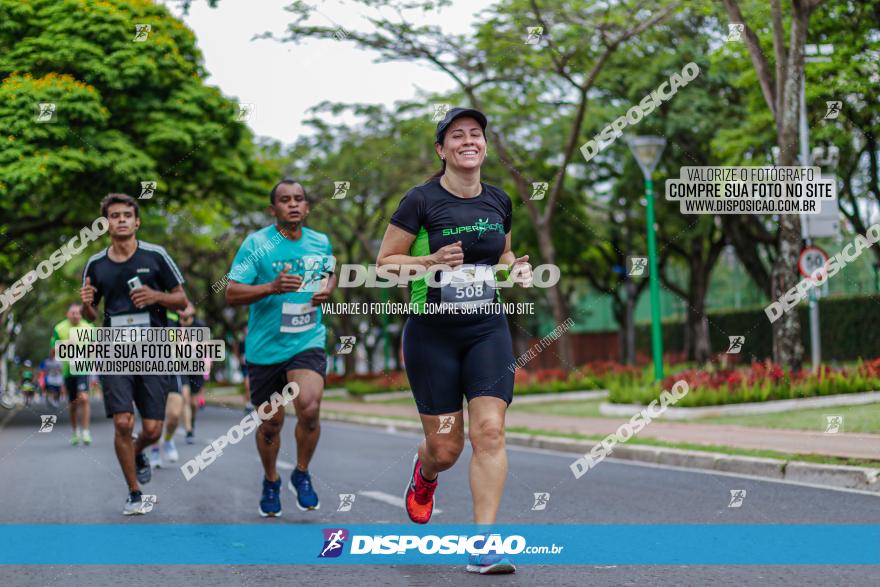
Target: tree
column 123, row 112
column 781, row 87
column 545, row 88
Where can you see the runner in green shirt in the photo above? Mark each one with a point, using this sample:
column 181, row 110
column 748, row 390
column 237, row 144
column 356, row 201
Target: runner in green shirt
column 77, row 386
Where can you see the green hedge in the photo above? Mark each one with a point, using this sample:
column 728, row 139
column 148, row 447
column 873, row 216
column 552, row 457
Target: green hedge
column 849, row 328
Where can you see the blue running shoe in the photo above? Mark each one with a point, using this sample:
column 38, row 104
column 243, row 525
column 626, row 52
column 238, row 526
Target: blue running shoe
column 489, row 563
column 301, row 486
column 270, row 503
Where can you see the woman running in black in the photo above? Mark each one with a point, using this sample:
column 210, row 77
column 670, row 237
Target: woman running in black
column 462, row 351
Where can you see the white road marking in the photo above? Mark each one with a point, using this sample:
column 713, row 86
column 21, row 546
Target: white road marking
column 284, row 465
column 389, row 499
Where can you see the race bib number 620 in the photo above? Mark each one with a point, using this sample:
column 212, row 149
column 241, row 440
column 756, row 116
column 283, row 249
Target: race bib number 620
column 298, row 317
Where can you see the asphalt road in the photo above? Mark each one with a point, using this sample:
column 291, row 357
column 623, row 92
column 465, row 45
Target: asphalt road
column 43, row 480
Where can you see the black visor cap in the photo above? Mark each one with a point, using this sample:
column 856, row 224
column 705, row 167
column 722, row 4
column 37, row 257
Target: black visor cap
column 455, row 113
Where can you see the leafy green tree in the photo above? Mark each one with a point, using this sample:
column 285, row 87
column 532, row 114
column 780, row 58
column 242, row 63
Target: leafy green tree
column 125, row 111
column 537, row 95
column 91, row 102
column 780, row 79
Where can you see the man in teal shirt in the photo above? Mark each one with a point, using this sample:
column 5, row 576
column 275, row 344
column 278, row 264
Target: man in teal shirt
column 284, row 272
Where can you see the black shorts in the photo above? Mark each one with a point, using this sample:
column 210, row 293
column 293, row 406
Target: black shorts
column 53, row 388
column 123, row 392
column 76, row 384
column 268, row 379
column 195, row 383
column 447, row 360
column 173, row 382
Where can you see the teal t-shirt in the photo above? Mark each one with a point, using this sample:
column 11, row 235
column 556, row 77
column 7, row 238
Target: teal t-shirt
column 282, row 325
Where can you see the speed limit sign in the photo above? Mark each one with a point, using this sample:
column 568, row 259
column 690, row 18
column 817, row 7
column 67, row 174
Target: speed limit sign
column 811, row 258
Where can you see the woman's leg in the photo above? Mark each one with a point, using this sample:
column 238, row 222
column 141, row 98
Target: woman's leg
column 187, row 407
column 488, row 468
column 444, row 441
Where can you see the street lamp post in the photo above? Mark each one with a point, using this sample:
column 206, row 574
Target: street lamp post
column 647, row 151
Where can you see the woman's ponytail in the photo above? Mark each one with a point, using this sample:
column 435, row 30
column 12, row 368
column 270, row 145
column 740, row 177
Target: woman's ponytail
column 439, row 173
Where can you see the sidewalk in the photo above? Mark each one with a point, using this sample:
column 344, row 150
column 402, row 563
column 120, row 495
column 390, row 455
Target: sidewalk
column 855, row 446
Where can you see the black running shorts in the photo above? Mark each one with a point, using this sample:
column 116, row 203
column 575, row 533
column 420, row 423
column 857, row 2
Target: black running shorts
column 268, row 379
column 76, row 384
column 195, row 383
column 123, row 392
column 450, row 359
column 174, row 382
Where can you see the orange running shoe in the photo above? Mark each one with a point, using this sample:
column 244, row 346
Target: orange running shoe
column 419, row 496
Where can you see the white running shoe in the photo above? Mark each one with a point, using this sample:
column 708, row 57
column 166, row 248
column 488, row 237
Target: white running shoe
column 155, row 458
column 170, row 451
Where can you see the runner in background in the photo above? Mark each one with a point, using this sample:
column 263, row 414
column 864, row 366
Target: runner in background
column 77, row 386
column 191, row 385
column 138, row 282
column 242, row 361
column 52, row 379
column 173, row 406
column 26, row 382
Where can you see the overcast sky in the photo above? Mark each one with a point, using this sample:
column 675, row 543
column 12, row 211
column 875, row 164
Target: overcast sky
column 283, row 80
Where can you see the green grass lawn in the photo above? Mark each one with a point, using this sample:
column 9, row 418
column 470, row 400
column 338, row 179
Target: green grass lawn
column 855, row 419
column 584, row 409
column 809, row 458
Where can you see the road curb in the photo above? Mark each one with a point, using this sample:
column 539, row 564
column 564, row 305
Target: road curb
column 840, row 476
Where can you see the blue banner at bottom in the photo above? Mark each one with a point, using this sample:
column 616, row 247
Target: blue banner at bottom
column 263, row 544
